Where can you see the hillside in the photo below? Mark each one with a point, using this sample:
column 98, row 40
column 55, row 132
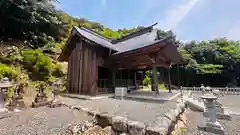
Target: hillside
column 32, row 34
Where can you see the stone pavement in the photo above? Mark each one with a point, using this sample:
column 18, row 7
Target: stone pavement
column 133, row 110
column 128, row 116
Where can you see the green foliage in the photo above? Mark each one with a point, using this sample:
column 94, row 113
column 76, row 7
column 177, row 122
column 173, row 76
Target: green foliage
column 35, row 61
column 147, row 81
column 210, row 68
column 162, row 86
column 35, row 21
column 6, row 71
column 58, row 70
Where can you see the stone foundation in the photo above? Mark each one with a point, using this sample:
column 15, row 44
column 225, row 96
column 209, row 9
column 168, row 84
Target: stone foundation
column 121, row 125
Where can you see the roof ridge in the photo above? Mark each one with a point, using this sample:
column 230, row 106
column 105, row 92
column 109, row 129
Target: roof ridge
column 95, row 33
column 123, row 38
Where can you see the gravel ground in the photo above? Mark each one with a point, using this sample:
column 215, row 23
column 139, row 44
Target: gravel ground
column 232, row 104
column 41, row 121
column 194, row 118
column 133, row 110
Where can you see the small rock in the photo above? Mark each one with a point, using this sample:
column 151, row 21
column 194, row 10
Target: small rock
column 75, row 129
column 89, row 124
column 96, row 130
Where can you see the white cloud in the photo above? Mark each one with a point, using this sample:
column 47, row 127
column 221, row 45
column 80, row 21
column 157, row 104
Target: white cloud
column 174, row 15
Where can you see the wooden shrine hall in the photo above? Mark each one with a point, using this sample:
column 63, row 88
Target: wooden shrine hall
column 97, row 64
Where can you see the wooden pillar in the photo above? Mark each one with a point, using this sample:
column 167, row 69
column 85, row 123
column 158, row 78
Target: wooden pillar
column 155, row 79
column 128, row 77
column 135, row 79
column 169, row 81
column 69, row 77
column 113, row 79
column 178, row 74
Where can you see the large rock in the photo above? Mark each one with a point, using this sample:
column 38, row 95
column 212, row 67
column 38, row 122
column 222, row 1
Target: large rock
column 136, row 128
column 119, row 124
column 104, row 119
column 159, row 127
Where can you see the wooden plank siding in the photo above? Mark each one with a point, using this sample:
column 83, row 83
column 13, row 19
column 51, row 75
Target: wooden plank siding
column 83, row 68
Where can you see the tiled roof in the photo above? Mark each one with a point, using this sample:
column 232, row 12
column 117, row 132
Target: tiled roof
column 93, row 36
column 142, row 38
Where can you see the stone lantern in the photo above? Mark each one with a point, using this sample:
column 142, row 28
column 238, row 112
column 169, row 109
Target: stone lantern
column 56, row 91
column 5, row 80
column 208, row 89
column 211, row 125
column 40, row 98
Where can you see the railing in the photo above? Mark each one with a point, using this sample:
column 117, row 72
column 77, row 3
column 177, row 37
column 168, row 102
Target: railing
column 124, row 82
column 226, row 90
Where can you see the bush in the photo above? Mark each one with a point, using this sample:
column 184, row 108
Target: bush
column 6, row 71
column 58, row 70
column 11, row 55
column 35, row 61
column 147, row 81
column 162, row 86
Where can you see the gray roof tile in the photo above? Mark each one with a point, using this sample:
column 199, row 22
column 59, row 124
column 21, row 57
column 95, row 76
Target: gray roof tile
column 96, row 38
column 141, row 39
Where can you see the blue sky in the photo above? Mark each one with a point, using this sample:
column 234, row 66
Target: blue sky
column 189, row 19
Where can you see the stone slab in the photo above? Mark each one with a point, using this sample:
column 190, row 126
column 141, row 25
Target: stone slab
column 40, row 104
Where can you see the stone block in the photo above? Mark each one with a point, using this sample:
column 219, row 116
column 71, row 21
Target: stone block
column 55, row 104
column 39, row 104
column 119, row 124
column 215, row 128
column 220, row 116
column 223, row 116
column 159, row 127
column 104, row 119
column 136, row 128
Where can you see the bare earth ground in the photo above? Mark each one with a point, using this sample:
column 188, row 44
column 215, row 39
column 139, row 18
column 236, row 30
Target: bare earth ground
column 41, row 121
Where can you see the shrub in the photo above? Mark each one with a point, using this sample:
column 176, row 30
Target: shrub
column 162, row 86
column 58, row 70
column 6, row 71
column 37, row 62
column 147, row 81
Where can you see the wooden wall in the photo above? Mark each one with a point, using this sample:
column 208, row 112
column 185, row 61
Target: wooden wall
column 83, row 68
